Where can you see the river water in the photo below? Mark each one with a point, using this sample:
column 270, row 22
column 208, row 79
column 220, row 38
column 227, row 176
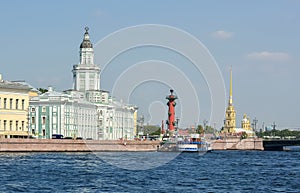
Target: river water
column 218, row 171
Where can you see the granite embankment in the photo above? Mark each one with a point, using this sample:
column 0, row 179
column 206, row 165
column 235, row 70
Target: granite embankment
column 69, row 145
column 238, row 144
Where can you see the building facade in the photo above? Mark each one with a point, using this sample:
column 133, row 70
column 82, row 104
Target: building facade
column 64, row 114
column 14, row 102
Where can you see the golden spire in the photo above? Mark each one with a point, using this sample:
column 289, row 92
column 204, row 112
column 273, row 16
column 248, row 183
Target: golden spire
column 230, row 89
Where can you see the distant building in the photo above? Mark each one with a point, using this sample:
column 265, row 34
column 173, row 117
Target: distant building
column 230, row 118
column 230, row 115
column 14, row 101
column 246, row 126
column 246, row 123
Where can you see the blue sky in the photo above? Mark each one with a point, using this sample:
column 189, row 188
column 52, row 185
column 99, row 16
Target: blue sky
column 259, row 39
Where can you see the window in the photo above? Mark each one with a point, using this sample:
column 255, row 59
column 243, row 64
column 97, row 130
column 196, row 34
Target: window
column 44, row 132
column 10, row 125
column 33, row 120
column 43, row 120
column 23, row 104
column 17, row 125
column 22, row 125
column 10, row 103
column 17, row 103
column 32, row 109
column 4, row 103
column 4, row 125
column 33, row 131
column 44, row 109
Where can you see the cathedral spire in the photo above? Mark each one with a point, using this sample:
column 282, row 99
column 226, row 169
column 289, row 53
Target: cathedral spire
column 230, row 89
column 230, row 123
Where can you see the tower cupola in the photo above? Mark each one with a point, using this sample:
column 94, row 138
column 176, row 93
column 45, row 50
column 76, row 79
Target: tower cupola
column 86, row 43
column 86, row 74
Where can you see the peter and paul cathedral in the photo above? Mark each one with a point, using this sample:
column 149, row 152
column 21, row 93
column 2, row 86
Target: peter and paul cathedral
column 230, row 116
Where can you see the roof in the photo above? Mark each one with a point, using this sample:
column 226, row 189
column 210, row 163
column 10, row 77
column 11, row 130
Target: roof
column 26, row 84
column 238, row 130
column 13, row 85
column 86, row 43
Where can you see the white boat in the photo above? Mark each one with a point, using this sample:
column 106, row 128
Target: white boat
column 193, row 144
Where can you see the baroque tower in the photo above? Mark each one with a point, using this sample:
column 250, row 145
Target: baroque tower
column 230, row 124
column 86, row 75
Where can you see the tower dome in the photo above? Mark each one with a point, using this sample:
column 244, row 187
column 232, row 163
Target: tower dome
column 86, row 43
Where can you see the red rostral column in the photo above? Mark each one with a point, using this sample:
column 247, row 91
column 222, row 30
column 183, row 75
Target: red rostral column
column 171, row 113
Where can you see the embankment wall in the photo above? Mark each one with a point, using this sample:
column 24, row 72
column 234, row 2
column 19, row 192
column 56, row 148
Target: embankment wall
column 69, row 145
column 237, row 144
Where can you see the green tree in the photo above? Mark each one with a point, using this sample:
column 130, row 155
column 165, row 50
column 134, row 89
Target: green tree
column 281, row 133
column 244, row 135
column 209, row 129
column 200, row 129
column 42, row 90
column 151, row 129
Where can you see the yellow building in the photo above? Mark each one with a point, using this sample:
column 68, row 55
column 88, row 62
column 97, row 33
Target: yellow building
column 246, row 127
column 230, row 116
column 246, row 123
column 14, row 102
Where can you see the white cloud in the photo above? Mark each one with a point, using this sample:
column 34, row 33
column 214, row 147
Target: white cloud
column 270, row 56
column 220, row 34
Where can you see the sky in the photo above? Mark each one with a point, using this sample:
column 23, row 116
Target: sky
column 259, row 40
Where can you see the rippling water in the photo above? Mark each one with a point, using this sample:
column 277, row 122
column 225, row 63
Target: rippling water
column 219, row 171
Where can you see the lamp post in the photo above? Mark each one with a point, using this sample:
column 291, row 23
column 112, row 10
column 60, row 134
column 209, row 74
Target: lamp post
column 255, row 122
column 214, row 129
column 274, row 127
column 142, row 124
column 204, row 125
column 177, row 127
column 28, row 121
column 122, row 119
